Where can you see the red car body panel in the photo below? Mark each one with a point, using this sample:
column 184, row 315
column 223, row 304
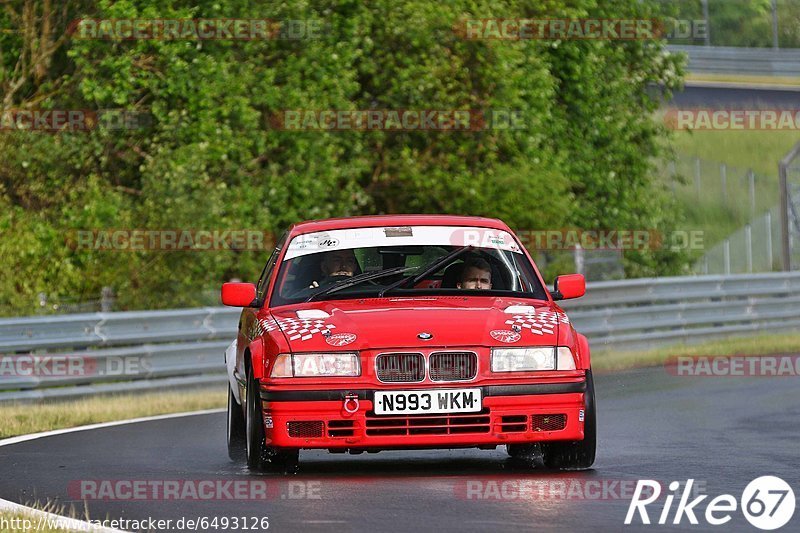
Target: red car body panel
column 315, row 413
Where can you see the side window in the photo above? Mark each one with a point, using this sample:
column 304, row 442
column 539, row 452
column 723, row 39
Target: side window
column 269, row 268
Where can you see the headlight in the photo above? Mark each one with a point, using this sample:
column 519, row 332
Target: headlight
column 304, row 365
column 532, row 359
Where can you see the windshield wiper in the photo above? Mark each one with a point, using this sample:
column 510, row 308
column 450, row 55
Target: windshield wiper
column 426, row 270
column 355, row 280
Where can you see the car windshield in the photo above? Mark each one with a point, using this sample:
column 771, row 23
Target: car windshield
column 369, row 262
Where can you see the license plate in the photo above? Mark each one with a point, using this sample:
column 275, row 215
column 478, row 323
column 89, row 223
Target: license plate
column 429, row 401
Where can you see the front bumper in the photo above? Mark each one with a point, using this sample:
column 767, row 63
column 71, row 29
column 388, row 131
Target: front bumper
column 510, row 414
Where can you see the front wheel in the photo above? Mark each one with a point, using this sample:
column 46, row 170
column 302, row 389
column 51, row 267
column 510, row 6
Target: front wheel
column 578, row 455
column 236, row 429
column 254, row 425
column 529, row 454
column 259, row 456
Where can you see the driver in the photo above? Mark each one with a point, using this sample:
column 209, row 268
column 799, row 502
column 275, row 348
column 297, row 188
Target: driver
column 475, row 274
column 336, row 264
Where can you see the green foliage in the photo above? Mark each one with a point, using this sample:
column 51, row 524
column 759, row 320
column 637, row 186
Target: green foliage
column 209, row 159
column 738, row 22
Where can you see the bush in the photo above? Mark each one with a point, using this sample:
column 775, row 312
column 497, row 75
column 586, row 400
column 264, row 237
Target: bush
column 208, row 157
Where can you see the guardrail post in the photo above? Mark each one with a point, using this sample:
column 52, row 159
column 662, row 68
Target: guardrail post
column 580, row 262
column 723, row 175
column 708, row 23
column 748, row 244
column 697, row 176
column 768, row 219
column 726, row 255
column 784, row 191
column 775, row 43
column 106, row 300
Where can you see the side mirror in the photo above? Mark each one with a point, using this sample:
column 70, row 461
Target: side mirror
column 238, row 294
column 569, row 286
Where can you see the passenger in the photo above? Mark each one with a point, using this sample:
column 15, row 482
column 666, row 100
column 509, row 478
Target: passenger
column 476, row 274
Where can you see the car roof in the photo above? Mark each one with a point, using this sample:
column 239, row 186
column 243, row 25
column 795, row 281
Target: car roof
column 312, row 226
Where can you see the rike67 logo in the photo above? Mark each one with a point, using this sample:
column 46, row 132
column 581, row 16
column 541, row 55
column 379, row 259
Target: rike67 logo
column 767, row 502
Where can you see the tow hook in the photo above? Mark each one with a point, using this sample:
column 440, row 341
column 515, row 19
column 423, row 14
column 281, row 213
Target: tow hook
column 351, row 404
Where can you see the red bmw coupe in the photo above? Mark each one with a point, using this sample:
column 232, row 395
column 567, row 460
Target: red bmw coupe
column 406, row 332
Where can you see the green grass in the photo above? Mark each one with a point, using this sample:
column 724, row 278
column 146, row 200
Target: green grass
column 721, row 210
column 716, row 209
column 758, row 150
column 27, row 520
column 767, row 344
column 21, row 419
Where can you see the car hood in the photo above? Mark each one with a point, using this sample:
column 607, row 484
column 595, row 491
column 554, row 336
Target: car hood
column 450, row 321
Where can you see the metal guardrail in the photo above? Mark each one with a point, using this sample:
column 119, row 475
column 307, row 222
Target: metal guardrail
column 736, row 60
column 183, row 348
column 115, row 352
column 115, row 329
column 647, row 313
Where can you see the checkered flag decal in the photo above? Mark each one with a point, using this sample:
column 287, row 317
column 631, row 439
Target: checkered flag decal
column 304, row 328
column 267, row 325
column 538, row 323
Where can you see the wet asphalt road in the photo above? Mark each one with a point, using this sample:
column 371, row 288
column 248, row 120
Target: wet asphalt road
column 722, row 432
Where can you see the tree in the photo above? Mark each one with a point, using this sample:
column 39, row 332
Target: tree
column 209, row 158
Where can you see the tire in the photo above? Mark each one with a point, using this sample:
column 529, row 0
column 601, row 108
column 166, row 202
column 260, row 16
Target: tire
column 236, row 430
column 282, row 461
column 530, row 454
column 259, row 456
column 577, row 455
column 255, row 447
